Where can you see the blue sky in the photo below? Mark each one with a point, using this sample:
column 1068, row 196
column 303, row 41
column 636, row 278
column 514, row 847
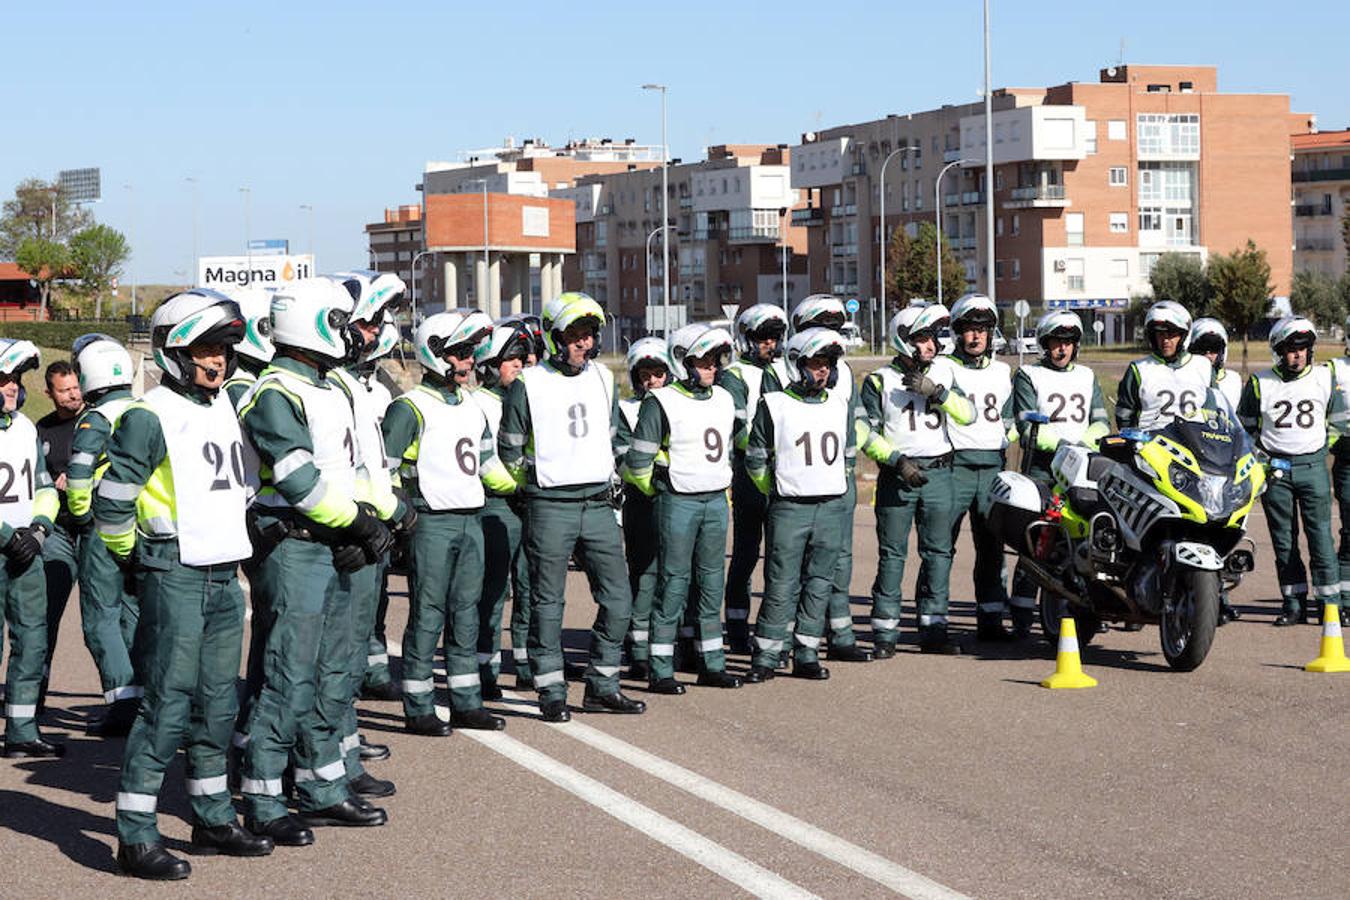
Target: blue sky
column 337, row 105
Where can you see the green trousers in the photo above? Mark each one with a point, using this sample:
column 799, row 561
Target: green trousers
column 376, row 646
column 840, row 610
column 970, row 495
column 445, row 586
column 306, row 688
column 108, row 615
column 505, row 571
column 749, row 516
column 799, row 565
column 25, row 593
column 364, row 600
column 556, row 529
column 61, row 566
column 898, row 509
column 193, row 623
column 691, row 547
column 260, row 621
column 1302, row 493
column 639, row 550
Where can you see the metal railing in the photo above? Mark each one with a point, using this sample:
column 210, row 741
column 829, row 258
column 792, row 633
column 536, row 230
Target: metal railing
column 844, row 250
column 844, row 209
column 1039, row 192
column 1341, row 174
column 1312, row 209
column 811, row 215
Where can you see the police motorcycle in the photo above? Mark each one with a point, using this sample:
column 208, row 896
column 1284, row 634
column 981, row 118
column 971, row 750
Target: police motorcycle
column 1150, row 528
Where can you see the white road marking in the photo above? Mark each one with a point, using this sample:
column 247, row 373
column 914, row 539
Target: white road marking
column 851, row 856
column 732, row 866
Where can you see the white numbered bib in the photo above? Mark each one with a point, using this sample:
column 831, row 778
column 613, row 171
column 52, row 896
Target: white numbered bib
column 447, row 459
column 491, row 405
column 332, row 428
column 210, row 480
column 368, row 406
column 18, row 471
column 988, row 389
column 629, row 410
column 910, row 425
column 808, row 446
column 1165, row 392
column 700, row 439
column 1229, row 386
column 1065, row 397
column 1294, row 413
column 571, row 424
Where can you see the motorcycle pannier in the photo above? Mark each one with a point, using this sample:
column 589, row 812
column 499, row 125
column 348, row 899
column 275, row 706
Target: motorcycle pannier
column 1015, row 501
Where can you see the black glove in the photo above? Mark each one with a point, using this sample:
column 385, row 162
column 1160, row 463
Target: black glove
column 25, row 545
column 911, row 474
column 367, row 533
column 922, row 385
column 405, row 524
column 349, row 557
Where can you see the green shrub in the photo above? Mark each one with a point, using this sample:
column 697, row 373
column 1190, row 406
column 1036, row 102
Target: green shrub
column 61, row 334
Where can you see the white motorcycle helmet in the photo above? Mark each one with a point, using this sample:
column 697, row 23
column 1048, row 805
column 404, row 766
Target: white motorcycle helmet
column 376, row 294
column 101, row 364
column 645, row 350
column 16, row 358
column 256, row 305
column 385, row 342
column 808, row 344
column 693, row 342
column 975, row 310
column 819, row 311
column 757, row 322
column 200, row 315
column 1293, row 332
column 1208, row 335
column 510, row 339
column 1062, row 324
column 315, row 315
column 1167, row 313
column 457, row 332
column 913, row 321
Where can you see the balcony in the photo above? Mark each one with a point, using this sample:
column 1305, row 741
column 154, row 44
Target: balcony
column 962, row 243
column 1342, row 174
column 1316, row 245
column 1037, row 196
column 844, row 288
column 858, row 168
column 844, row 250
column 689, row 269
column 971, row 197
column 707, row 234
column 749, row 235
column 595, row 274
column 811, row 215
column 951, row 155
column 846, row 209
column 1305, row 210
column 686, row 201
column 951, row 199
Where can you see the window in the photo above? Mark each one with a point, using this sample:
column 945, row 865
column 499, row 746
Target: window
column 1118, row 268
column 918, row 155
column 918, row 193
column 998, row 226
column 1115, row 130
column 1016, row 269
column 1171, row 135
column 1150, row 218
column 1073, row 227
column 1117, row 177
column 998, row 268
column 1073, row 274
column 1146, row 263
column 1090, row 139
column 1017, row 223
column 904, row 195
column 1120, row 223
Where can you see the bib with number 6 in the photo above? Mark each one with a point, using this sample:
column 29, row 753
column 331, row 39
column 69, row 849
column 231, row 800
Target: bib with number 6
column 447, row 459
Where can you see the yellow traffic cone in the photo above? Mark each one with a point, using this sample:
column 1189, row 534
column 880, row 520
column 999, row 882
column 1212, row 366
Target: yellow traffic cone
column 1332, row 656
column 1068, row 666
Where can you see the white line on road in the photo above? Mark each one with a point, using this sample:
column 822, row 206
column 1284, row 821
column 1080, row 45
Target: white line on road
column 732, row 866
column 851, row 856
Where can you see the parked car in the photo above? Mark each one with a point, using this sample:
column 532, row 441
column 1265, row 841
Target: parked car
column 851, row 335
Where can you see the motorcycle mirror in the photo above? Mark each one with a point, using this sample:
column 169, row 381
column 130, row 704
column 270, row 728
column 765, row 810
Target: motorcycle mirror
column 1134, row 434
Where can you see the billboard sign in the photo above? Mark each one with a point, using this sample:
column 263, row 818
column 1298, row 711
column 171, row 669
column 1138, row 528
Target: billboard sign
column 241, row 271
column 80, row 185
column 269, row 247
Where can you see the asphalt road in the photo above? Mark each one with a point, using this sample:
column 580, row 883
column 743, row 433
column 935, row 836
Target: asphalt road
column 924, row 776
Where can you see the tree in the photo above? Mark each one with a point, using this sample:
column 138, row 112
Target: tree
column 1345, row 236
column 45, row 261
column 1241, row 288
column 1317, row 296
column 911, row 267
column 97, row 254
column 1181, row 277
column 29, row 215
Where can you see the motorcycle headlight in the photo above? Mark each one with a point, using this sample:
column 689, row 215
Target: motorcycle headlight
column 1214, row 494
column 1180, row 478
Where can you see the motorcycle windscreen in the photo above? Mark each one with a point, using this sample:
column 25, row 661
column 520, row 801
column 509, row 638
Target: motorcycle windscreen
column 1213, row 434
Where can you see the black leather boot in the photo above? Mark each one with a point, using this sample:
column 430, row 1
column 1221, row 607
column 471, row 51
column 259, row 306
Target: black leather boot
column 151, row 862
column 347, row 814
column 429, row 725
column 722, row 679
column 230, row 839
column 477, row 719
column 615, row 703
column 287, row 831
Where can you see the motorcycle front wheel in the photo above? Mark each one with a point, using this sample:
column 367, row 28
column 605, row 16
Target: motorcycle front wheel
column 1188, row 622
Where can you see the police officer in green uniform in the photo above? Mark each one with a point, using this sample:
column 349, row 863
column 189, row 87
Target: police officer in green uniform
column 681, row 455
column 1067, row 393
column 313, row 535
column 1340, row 476
column 910, row 403
column 759, row 331
column 1170, row 381
column 108, row 611
column 498, row 361
column 447, row 456
column 170, row 507
column 978, row 452
column 796, row 456
column 1289, row 410
column 557, row 438
column 25, row 523
column 648, row 366
column 60, row 551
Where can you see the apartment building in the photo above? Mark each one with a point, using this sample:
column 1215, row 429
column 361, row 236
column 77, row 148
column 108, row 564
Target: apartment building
column 394, row 243
column 731, row 236
column 1321, row 178
column 1092, row 183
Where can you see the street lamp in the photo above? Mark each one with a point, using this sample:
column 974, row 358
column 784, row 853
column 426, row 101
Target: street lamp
column 482, row 288
column 192, row 269
column 647, row 259
column 990, row 288
column 310, row 209
column 131, row 192
column 937, row 217
column 665, row 213
column 413, row 290
column 248, row 248
column 882, row 242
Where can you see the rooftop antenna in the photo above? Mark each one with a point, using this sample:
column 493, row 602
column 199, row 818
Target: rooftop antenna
column 1121, row 60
